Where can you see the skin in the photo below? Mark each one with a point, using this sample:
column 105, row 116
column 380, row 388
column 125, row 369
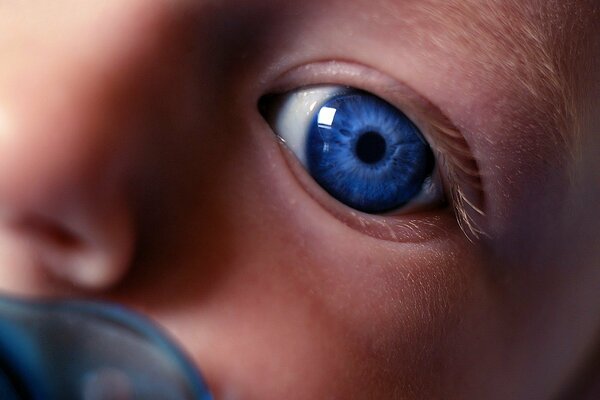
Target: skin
column 135, row 167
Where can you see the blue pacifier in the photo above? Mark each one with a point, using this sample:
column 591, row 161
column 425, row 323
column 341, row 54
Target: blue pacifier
column 78, row 350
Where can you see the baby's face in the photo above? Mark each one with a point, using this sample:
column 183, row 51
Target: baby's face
column 135, row 166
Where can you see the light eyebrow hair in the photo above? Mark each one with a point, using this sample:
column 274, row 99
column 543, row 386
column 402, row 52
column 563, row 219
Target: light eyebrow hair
column 529, row 46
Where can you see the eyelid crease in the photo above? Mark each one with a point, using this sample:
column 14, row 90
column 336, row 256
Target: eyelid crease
column 453, row 153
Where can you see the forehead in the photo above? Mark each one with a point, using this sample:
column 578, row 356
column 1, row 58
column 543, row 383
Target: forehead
column 501, row 48
column 497, row 48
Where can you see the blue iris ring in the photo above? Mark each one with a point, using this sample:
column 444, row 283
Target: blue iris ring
column 366, row 153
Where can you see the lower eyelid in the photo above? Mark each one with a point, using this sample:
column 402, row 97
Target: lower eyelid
column 459, row 169
column 417, row 227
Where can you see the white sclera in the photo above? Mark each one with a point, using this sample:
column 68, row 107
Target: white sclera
column 293, row 124
column 298, row 112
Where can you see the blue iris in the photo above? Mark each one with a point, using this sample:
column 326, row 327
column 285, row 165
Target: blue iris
column 366, row 153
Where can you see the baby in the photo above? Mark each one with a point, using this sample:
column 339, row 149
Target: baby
column 345, row 199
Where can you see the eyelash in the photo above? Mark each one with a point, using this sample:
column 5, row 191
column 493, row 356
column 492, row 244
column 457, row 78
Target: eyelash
column 354, row 144
column 462, row 172
column 458, row 168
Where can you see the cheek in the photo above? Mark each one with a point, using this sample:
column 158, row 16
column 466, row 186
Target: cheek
column 337, row 315
column 271, row 293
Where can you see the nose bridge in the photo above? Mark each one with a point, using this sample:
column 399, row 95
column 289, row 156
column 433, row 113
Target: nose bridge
column 63, row 61
column 71, row 103
column 81, row 81
column 51, row 55
column 62, row 64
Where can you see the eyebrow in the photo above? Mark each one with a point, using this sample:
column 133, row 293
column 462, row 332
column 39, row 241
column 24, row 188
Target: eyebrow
column 525, row 45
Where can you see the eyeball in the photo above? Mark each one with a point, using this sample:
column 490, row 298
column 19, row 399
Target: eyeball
column 363, row 151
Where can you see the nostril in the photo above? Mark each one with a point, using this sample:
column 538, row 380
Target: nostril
column 94, row 254
column 46, row 231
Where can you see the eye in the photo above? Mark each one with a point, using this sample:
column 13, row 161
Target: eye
column 362, row 150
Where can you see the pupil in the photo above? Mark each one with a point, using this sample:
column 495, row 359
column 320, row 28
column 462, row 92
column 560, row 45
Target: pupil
column 370, row 147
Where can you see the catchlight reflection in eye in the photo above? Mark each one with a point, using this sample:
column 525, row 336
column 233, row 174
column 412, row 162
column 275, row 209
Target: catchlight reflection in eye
column 363, row 151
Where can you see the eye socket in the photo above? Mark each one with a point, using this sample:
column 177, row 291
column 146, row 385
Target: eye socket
column 360, row 149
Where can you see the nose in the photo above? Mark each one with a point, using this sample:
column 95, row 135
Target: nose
column 69, row 145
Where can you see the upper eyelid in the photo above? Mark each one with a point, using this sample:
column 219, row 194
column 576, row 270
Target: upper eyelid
column 450, row 146
column 462, row 169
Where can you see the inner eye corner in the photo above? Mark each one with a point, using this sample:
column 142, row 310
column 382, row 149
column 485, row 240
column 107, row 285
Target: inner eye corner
column 363, row 151
column 268, row 105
